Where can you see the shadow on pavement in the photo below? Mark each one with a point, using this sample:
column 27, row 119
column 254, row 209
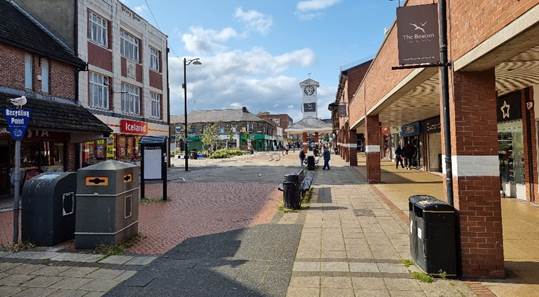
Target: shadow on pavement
column 245, row 262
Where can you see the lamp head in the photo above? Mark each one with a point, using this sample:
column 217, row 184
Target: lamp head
column 197, row 62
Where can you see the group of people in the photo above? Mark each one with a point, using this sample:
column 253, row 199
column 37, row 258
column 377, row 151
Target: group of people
column 406, row 156
column 315, row 151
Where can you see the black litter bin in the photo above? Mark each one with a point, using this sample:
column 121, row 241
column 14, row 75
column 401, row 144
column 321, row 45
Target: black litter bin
column 291, row 191
column 310, row 163
column 433, row 243
column 48, row 203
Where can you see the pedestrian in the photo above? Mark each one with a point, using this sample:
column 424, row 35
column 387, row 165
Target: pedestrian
column 407, row 153
column 399, row 157
column 301, row 157
column 327, row 157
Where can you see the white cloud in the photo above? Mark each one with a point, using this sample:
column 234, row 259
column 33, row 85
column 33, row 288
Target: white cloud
column 200, row 40
column 310, row 9
column 254, row 20
column 315, row 5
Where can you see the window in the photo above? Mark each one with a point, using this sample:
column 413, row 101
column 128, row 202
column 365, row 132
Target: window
column 156, row 105
column 99, row 91
column 155, row 60
column 129, row 46
column 44, row 75
column 98, row 29
column 130, row 99
column 28, row 71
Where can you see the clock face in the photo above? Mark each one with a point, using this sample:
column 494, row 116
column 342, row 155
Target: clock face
column 309, row 90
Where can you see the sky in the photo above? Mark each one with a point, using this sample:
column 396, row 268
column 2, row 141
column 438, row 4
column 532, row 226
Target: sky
column 254, row 53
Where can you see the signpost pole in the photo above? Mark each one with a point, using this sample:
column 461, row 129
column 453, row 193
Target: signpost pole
column 17, row 198
column 444, row 80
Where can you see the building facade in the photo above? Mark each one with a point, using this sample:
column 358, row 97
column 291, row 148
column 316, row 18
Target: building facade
column 282, row 121
column 493, row 89
column 126, row 85
column 36, row 64
column 235, row 128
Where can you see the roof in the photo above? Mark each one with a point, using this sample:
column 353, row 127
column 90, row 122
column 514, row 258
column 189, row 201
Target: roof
column 309, row 82
column 310, row 125
column 218, row 115
column 49, row 114
column 19, row 30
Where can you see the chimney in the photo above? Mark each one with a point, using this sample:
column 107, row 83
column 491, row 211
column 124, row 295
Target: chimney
column 244, row 109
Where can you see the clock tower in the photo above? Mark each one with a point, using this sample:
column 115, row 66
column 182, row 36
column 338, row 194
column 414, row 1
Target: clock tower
column 309, row 106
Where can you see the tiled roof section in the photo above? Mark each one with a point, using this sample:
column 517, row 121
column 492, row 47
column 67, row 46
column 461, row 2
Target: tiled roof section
column 18, row 30
column 48, row 114
column 218, row 115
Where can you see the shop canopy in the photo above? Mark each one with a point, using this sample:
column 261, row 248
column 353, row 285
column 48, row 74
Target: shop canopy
column 59, row 115
column 310, row 125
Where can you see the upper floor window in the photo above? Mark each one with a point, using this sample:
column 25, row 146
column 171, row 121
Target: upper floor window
column 155, row 59
column 44, row 75
column 99, row 91
column 98, row 31
column 129, row 46
column 156, row 105
column 28, row 71
column 130, row 99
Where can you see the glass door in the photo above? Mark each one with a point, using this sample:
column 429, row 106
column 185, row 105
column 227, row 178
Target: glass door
column 511, row 155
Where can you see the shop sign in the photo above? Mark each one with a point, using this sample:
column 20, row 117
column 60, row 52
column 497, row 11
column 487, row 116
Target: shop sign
column 508, row 107
column 133, row 127
column 417, row 29
column 17, row 122
column 342, row 110
column 412, row 129
column 431, row 125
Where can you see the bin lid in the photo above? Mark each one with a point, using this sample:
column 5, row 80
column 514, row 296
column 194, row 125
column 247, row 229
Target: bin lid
column 109, row 165
column 430, row 203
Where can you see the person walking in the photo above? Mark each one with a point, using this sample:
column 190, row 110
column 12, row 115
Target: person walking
column 408, row 154
column 301, row 157
column 327, row 157
column 399, row 157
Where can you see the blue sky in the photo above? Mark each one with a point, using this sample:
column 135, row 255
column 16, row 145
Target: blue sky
column 255, row 52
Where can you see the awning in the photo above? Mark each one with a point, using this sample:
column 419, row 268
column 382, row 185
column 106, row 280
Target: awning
column 55, row 115
column 310, row 125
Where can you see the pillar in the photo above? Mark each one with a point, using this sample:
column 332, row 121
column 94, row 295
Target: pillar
column 475, row 170
column 305, row 139
column 352, row 147
column 345, row 145
column 372, row 148
column 316, row 137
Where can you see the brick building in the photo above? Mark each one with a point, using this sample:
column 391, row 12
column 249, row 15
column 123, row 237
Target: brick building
column 281, row 120
column 38, row 65
column 494, row 101
column 126, row 85
column 235, row 128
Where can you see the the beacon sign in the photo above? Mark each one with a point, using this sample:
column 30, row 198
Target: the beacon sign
column 133, row 127
column 417, row 29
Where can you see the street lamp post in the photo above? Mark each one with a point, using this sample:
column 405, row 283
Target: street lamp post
column 186, row 62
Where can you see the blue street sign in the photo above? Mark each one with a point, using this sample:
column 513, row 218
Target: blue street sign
column 17, row 122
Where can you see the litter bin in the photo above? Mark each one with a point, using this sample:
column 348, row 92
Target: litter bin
column 48, row 208
column 433, row 235
column 292, row 191
column 310, row 163
column 413, row 222
column 107, row 204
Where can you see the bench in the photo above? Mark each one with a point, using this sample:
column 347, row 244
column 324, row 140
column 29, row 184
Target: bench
column 305, row 181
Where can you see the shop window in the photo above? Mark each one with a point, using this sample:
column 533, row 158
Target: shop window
column 130, row 99
column 156, row 105
column 99, row 91
column 42, row 156
column 129, row 46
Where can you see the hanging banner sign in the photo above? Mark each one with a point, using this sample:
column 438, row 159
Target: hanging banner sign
column 417, row 29
column 342, row 110
column 17, row 122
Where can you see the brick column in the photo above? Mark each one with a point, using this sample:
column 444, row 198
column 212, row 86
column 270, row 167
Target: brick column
column 372, row 148
column 341, row 141
column 305, row 143
column 345, row 145
column 476, row 177
column 352, row 147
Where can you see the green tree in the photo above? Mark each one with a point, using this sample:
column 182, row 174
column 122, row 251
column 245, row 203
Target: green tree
column 209, row 136
column 230, row 137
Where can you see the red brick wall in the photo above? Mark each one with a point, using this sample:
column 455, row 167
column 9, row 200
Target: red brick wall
column 472, row 22
column 71, row 157
column 11, row 67
column 62, row 80
column 156, row 80
column 529, row 130
column 139, row 72
column 123, row 66
column 100, row 57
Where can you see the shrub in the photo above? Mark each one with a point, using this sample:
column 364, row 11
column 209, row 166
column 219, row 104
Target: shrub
column 225, row 153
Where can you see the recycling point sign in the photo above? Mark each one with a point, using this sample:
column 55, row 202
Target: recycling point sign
column 17, row 122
